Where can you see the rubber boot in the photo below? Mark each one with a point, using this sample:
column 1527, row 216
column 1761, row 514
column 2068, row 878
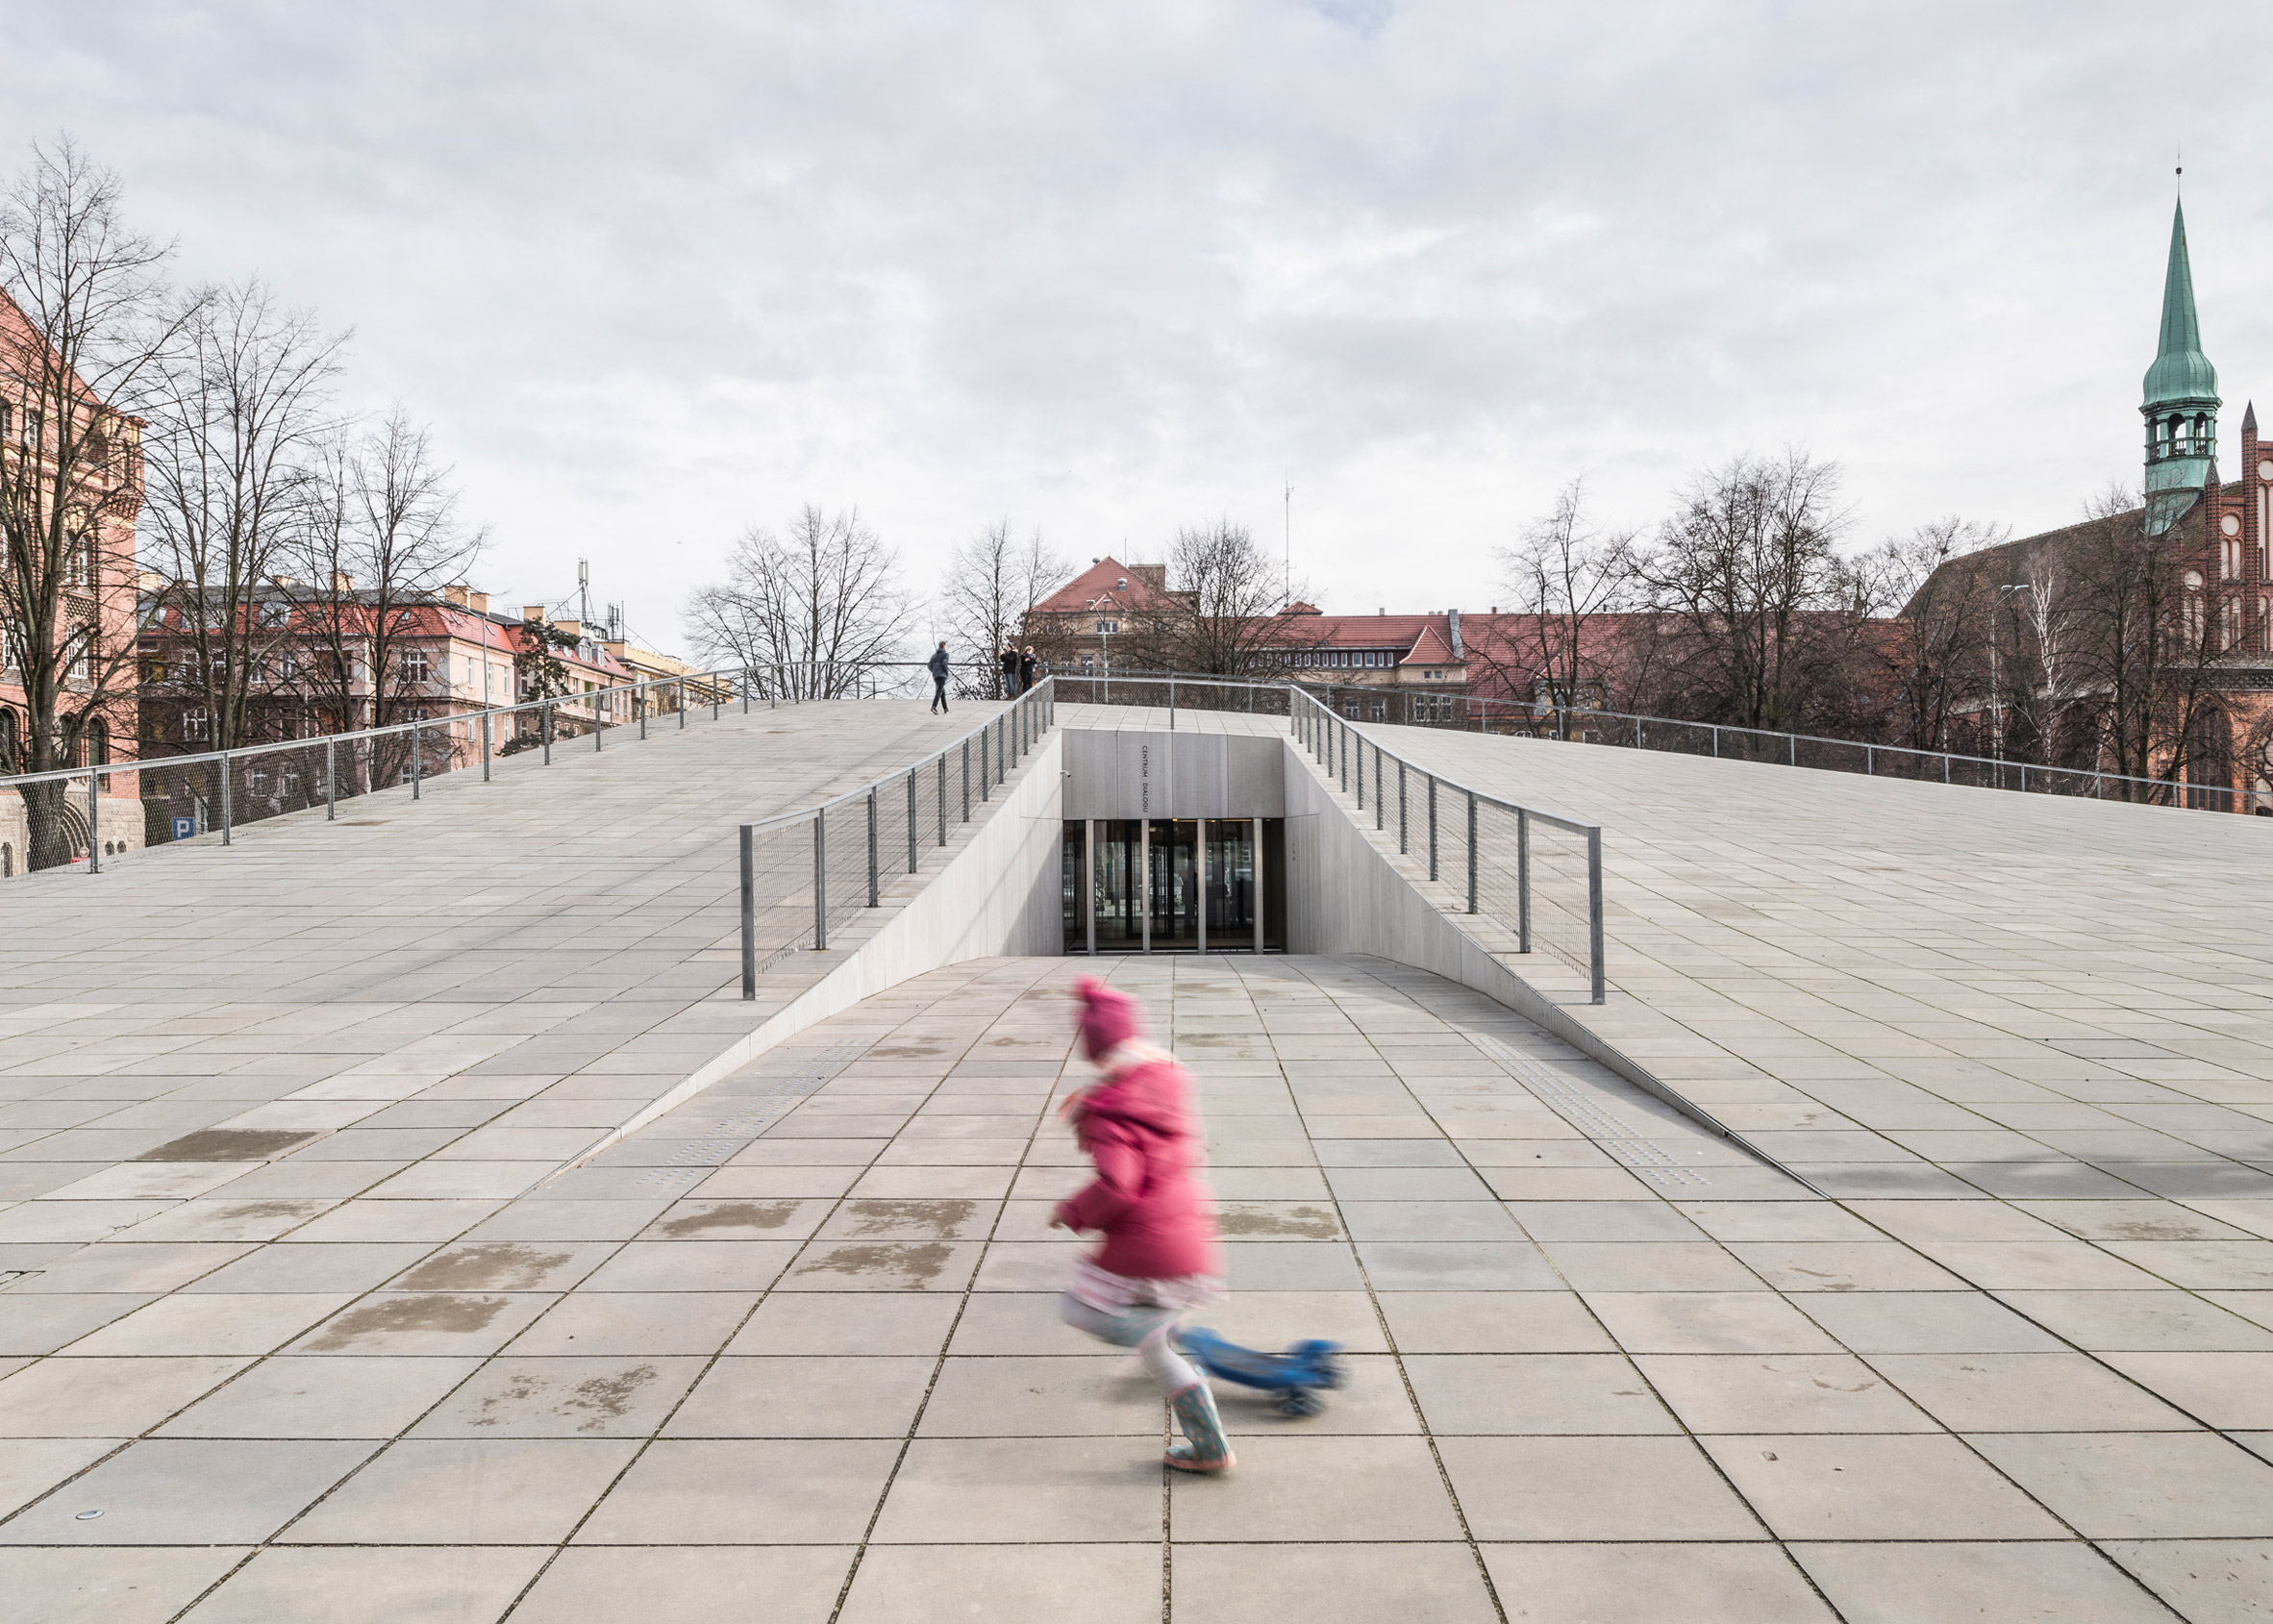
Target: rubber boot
column 1204, row 1449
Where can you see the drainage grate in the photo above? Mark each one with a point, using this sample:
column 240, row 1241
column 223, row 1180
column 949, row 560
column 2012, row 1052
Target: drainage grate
column 1627, row 1146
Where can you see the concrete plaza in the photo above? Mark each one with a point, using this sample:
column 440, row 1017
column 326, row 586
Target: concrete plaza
column 788, row 1352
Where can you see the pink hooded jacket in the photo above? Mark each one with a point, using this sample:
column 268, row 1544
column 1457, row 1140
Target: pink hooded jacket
column 1136, row 1126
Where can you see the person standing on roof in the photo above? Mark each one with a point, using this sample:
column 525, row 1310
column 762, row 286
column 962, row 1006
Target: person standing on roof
column 1010, row 669
column 1028, row 665
column 938, row 666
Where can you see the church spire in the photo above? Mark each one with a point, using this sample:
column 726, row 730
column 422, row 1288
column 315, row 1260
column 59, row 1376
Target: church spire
column 2181, row 403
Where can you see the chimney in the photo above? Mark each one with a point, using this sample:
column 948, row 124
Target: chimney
column 342, row 582
column 148, row 581
column 574, row 628
column 533, row 612
column 456, row 594
column 478, row 602
column 286, row 581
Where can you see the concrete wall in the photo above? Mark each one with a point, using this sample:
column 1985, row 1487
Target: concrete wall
column 1158, row 774
column 1344, row 894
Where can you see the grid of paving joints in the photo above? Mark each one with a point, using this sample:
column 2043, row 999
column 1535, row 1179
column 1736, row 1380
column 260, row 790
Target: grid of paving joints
column 826, row 1381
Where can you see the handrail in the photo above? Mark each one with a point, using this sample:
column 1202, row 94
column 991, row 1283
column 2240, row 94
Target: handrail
column 1338, row 743
column 1017, row 727
column 692, row 689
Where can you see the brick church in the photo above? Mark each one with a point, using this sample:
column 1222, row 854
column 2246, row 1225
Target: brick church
column 2141, row 642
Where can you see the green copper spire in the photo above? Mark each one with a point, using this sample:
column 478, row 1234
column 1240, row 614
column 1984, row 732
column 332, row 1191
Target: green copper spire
column 2181, row 404
column 2180, row 372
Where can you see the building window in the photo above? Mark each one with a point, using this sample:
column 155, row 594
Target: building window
column 196, row 726
column 2229, row 624
column 1380, row 710
column 1107, row 628
column 414, row 666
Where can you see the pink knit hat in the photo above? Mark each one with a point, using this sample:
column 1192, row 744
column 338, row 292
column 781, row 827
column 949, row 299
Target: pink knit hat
column 1108, row 1019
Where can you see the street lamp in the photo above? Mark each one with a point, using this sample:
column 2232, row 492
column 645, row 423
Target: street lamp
column 1105, row 654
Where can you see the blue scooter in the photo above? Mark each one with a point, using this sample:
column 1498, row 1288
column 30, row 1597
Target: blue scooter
column 1297, row 1376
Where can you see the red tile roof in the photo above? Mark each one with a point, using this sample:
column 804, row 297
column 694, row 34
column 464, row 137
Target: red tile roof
column 1100, row 580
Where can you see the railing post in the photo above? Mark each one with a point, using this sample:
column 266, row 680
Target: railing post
column 1343, row 728
column 745, row 688
column 1432, row 826
column 966, row 781
column 332, row 779
column 1362, row 769
column 985, row 773
column 749, row 912
column 1403, row 846
column 226, row 792
column 1172, row 704
column 546, row 720
column 1377, row 810
column 1471, row 851
column 1522, row 881
column 1870, row 760
column 94, row 818
column 911, row 812
column 1716, row 742
column 1594, row 912
column 820, row 880
column 872, row 874
column 599, row 727
column 943, row 809
column 682, row 704
column 417, row 759
column 1793, row 740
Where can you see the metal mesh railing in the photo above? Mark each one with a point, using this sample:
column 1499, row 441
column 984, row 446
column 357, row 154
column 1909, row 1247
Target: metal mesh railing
column 1537, row 873
column 804, row 873
column 87, row 814
column 1409, row 706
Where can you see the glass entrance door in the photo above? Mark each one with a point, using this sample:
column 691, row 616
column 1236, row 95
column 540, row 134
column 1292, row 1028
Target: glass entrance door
column 1175, row 884
column 1197, row 868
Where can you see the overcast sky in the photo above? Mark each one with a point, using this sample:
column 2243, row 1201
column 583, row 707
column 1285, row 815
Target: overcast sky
column 655, row 272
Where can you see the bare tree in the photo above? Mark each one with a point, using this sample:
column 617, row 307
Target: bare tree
column 993, row 582
column 1761, row 613
column 1936, row 665
column 1564, row 571
column 1220, row 613
column 2148, row 633
column 382, row 535
column 812, row 609
column 239, row 410
column 85, row 319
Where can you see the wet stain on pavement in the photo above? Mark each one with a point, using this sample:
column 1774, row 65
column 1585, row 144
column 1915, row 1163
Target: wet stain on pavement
column 498, row 1266
column 944, row 1220
column 916, row 1264
column 1311, row 1223
column 599, row 1399
column 227, row 1144
column 727, row 1216
column 391, row 1315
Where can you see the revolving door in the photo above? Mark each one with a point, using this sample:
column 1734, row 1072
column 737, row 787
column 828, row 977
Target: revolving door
column 1183, row 885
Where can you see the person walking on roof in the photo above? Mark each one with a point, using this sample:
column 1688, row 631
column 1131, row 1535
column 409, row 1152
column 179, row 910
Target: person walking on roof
column 938, row 666
column 1160, row 1258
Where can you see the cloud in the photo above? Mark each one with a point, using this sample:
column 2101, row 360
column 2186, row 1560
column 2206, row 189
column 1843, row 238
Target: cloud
column 657, row 272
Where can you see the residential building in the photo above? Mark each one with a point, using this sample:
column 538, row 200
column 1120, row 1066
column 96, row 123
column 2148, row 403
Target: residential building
column 440, row 659
column 61, row 447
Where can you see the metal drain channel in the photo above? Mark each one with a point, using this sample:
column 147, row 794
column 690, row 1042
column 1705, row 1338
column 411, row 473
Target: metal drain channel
column 1627, row 1146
